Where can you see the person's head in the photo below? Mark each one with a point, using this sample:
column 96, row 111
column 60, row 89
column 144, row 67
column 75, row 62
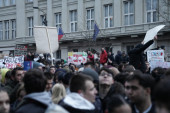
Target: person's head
column 4, row 102
column 106, row 76
column 161, row 94
column 52, row 69
column 49, row 80
column 158, row 73
column 138, row 87
column 17, row 74
column 58, row 92
column 34, row 81
column 117, row 104
column 102, row 49
column 83, row 85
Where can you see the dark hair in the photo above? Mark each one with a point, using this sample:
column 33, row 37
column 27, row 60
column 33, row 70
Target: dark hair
column 107, row 70
column 158, row 73
column 13, row 72
column 78, row 81
column 162, row 93
column 48, row 75
column 114, row 102
column 34, row 81
column 145, row 80
column 121, row 77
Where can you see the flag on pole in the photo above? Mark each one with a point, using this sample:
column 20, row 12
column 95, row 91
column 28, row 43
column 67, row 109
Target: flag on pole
column 96, row 31
column 60, row 33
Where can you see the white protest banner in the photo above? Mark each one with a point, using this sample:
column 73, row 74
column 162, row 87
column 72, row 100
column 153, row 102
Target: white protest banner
column 77, row 57
column 46, row 39
column 11, row 62
column 154, row 64
column 150, row 34
column 155, row 55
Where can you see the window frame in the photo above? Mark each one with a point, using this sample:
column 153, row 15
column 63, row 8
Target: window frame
column 129, row 13
column 90, row 19
column 1, row 30
column 13, row 28
column 6, row 24
column 30, row 26
column 58, row 19
column 73, row 15
column 109, row 17
column 151, row 11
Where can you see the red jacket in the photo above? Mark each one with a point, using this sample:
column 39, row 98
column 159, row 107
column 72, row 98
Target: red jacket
column 103, row 57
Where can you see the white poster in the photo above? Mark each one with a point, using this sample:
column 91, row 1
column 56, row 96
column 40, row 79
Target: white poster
column 150, row 34
column 155, row 55
column 46, row 39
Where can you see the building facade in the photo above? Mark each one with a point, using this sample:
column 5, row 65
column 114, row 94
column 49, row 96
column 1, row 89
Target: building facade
column 122, row 23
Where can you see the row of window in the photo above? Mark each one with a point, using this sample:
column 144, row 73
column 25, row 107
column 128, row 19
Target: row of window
column 108, row 15
column 90, row 18
column 7, row 29
column 10, row 2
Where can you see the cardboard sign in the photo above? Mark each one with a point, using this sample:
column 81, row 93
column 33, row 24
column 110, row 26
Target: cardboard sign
column 77, row 57
column 20, row 50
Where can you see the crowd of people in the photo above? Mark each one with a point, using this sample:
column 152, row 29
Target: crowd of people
column 106, row 84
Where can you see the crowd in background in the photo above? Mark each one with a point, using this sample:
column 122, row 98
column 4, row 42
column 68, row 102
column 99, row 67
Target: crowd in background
column 104, row 84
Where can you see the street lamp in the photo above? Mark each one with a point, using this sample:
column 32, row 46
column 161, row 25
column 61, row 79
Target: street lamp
column 44, row 14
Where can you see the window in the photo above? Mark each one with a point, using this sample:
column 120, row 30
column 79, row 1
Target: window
column 6, row 2
column 58, row 54
column 73, row 20
column 13, row 22
column 108, row 18
column 1, row 3
column 6, row 29
column 43, row 20
column 151, row 7
column 58, row 20
column 130, row 47
column 29, row 0
column 12, row 2
column 128, row 12
column 1, row 31
column 90, row 18
column 30, row 26
column 75, row 50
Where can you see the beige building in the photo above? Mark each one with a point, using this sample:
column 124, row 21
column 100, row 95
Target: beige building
column 122, row 23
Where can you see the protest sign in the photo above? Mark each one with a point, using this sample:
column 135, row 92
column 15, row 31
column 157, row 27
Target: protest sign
column 20, row 50
column 28, row 65
column 150, row 34
column 11, row 62
column 154, row 64
column 77, row 57
column 155, row 55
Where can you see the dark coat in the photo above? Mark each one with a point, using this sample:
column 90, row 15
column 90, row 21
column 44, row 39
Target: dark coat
column 136, row 56
column 111, row 57
column 152, row 110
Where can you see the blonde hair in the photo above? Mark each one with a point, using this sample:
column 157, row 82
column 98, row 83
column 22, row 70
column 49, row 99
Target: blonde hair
column 58, row 92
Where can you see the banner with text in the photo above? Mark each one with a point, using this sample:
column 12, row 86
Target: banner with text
column 77, row 57
column 11, row 62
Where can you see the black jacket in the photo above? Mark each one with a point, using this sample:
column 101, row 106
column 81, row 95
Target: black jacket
column 136, row 56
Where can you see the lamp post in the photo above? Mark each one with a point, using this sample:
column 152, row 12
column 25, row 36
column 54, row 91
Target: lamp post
column 44, row 14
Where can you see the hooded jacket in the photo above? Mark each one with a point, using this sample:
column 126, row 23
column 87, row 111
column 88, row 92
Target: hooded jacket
column 74, row 103
column 34, row 103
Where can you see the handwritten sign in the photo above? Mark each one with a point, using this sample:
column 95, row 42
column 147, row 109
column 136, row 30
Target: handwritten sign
column 155, row 55
column 77, row 57
column 11, row 62
column 20, row 50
